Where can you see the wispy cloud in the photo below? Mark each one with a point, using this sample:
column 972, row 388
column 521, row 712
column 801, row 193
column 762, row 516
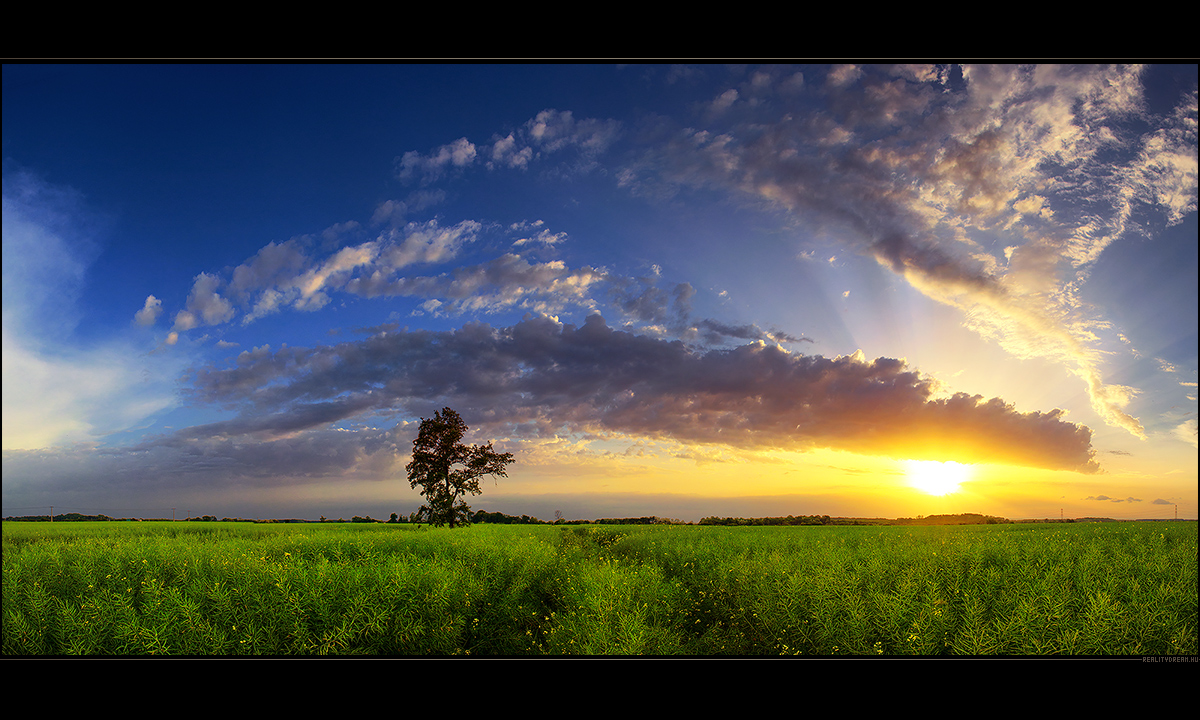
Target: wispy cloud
column 55, row 389
column 427, row 168
column 549, row 132
column 1186, row 431
column 293, row 275
column 939, row 162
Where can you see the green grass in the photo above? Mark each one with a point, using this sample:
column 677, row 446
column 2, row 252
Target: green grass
column 244, row 589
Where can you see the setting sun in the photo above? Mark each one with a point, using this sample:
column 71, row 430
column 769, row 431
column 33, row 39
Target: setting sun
column 936, row 478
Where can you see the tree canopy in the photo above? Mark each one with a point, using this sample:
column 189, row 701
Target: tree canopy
column 447, row 470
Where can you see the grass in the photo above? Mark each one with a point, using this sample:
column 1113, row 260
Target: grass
column 335, row 589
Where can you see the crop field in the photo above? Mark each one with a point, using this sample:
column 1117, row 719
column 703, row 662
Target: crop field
column 127, row 588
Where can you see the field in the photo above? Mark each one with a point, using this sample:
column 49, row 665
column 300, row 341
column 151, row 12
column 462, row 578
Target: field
column 215, row 588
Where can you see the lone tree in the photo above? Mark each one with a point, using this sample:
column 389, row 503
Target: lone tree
column 446, row 469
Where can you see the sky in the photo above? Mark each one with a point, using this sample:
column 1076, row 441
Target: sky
column 685, row 291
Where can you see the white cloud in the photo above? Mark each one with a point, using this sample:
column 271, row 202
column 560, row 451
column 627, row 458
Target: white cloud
column 552, row 131
column 426, row 243
column 285, row 275
column 542, row 237
column 457, row 154
column 55, row 390
column 506, row 153
column 149, row 313
column 1186, row 431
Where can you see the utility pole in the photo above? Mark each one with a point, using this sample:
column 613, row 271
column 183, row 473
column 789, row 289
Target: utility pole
column 52, row 513
column 172, row 514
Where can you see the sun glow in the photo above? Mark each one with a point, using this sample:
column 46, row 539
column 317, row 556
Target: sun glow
column 936, row 478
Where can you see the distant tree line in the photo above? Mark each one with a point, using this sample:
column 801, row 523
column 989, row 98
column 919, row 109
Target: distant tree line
column 499, row 518
column 789, row 520
column 65, row 517
column 77, row 517
column 959, row 519
column 651, row 520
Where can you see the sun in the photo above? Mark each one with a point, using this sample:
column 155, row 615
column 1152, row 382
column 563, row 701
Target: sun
column 936, row 478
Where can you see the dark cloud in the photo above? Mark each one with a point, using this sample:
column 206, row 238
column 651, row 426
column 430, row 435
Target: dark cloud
column 546, row 377
column 714, row 332
column 717, row 330
column 644, row 304
column 1105, row 498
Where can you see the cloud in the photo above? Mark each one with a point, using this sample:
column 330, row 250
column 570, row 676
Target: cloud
column 55, row 389
column 1105, row 498
column 1186, row 431
column 47, row 251
column 509, row 281
column 426, row 243
column 149, row 313
column 724, row 101
column 714, row 332
column 670, row 313
column 542, row 237
column 641, row 300
column 290, row 275
column 842, row 75
column 551, row 378
column 427, row 168
column 209, row 464
column 554, row 130
column 506, row 153
column 943, row 161
column 205, row 306
column 549, row 132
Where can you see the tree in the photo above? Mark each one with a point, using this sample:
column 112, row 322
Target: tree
column 446, row 469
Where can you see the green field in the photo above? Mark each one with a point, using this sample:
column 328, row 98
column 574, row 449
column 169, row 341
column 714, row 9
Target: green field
column 130, row 588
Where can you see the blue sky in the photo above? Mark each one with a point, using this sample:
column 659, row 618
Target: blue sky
column 671, row 290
